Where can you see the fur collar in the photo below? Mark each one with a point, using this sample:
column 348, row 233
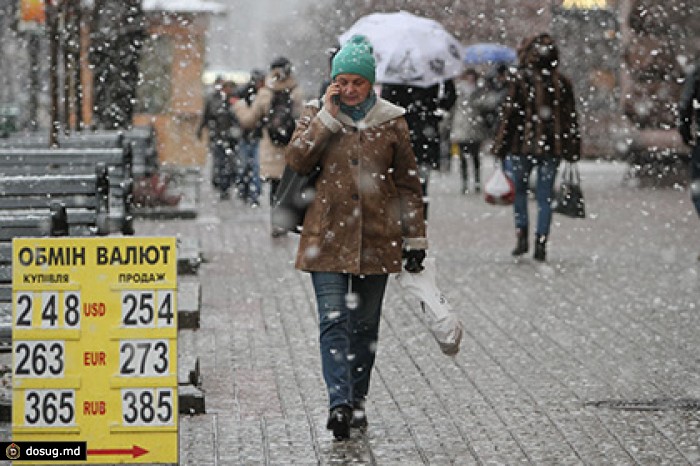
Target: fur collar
column 382, row 112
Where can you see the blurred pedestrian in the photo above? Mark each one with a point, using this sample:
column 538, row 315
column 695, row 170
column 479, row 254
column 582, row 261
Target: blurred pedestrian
column 424, row 107
column 496, row 90
column 211, row 102
column 248, row 160
column 539, row 127
column 279, row 79
column 469, row 129
column 224, row 133
column 689, row 128
column 367, row 214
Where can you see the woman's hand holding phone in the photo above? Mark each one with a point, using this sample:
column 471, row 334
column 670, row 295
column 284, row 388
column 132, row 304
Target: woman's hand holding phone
column 331, row 100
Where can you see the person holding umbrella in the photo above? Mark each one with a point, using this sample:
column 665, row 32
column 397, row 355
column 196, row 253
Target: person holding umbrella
column 424, row 109
column 366, row 215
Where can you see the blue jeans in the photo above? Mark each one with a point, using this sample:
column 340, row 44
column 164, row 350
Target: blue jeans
column 521, row 167
column 695, row 177
column 348, row 332
column 248, row 170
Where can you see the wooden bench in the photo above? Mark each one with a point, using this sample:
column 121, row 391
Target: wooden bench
column 83, row 140
column 83, row 196
column 37, row 161
column 5, row 296
column 144, row 146
column 141, row 139
column 51, row 223
column 46, row 205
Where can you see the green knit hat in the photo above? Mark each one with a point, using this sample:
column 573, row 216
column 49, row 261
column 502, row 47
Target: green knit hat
column 355, row 57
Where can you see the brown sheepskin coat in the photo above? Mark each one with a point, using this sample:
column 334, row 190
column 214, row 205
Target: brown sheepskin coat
column 538, row 116
column 368, row 202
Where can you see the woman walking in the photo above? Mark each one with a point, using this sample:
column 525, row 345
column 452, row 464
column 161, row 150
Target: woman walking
column 367, row 214
column 538, row 128
column 469, row 128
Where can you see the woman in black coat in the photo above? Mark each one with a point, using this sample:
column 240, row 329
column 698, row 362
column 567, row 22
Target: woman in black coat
column 422, row 106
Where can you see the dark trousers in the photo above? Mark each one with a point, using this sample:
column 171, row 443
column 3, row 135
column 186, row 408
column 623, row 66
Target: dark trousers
column 470, row 150
column 223, row 165
column 424, row 170
column 695, row 177
column 274, row 184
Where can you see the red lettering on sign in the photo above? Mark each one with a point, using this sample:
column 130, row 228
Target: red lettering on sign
column 94, row 309
column 94, row 408
column 94, row 358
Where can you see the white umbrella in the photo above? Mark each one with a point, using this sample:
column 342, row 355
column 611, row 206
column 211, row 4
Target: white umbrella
column 409, row 49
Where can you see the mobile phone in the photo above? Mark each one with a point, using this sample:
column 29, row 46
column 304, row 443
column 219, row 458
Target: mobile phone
column 335, row 99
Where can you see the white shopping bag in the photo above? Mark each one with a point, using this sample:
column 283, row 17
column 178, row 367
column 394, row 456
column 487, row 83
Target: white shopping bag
column 499, row 189
column 443, row 321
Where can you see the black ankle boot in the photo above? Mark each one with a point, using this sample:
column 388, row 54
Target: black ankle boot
column 521, row 246
column 359, row 417
column 339, row 422
column 540, row 248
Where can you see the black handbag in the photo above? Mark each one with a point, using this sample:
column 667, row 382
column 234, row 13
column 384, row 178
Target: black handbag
column 294, row 194
column 569, row 198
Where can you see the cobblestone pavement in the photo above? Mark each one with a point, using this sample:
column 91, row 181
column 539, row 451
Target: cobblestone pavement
column 589, row 359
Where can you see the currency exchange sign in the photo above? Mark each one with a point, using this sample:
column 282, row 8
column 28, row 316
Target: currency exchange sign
column 95, row 345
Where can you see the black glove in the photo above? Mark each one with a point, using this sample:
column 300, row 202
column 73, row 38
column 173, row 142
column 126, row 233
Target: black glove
column 414, row 260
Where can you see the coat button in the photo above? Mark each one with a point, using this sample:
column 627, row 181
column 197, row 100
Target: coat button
column 355, row 197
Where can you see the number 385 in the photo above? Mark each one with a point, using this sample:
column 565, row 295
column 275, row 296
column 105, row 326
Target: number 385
column 147, row 406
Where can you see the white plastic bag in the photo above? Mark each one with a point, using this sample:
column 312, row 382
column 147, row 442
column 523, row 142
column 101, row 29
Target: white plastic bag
column 499, row 189
column 443, row 321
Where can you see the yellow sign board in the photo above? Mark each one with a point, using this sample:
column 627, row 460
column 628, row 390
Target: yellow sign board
column 585, row 4
column 95, row 345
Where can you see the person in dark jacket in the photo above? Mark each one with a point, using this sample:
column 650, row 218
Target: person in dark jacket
column 366, row 215
column 538, row 127
column 689, row 128
column 224, row 133
column 423, row 113
column 469, row 129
